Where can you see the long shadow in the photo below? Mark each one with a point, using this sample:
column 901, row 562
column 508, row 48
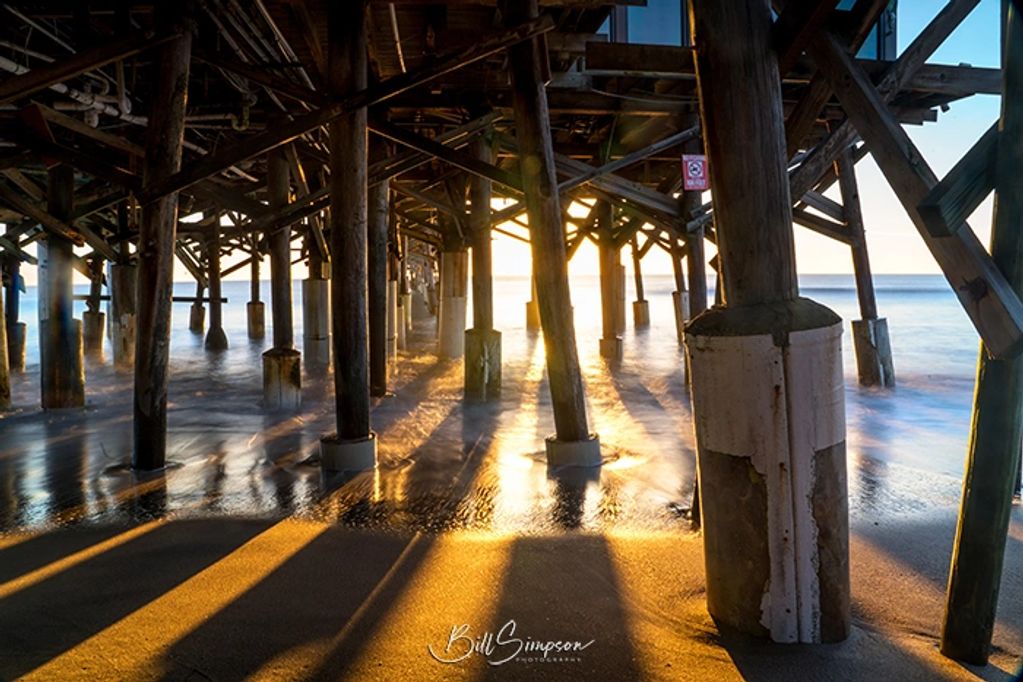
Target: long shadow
column 342, row 598
column 50, row 617
column 311, row 598
column 563, row 588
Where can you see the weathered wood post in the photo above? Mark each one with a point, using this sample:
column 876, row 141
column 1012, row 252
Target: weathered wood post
column 216, row 337
column 573, row 444
column 5, row 366
column 680, row 296
column 532, row 307
column 609, row 262
column 197, row 312
column 122, row 309
column 376, row 260
column 16, row 331
column 255, row 309
column 406, row 289
column 641, row 306
column 870, row 333
column 157, row 234
column 353, row 447
column 62, row 370
column 395, row 283
column 316, row 309
column 768, row 399
column 994, row 452
column 282, row 364
column 93, row 319
column 454, row 284
column 482, row 342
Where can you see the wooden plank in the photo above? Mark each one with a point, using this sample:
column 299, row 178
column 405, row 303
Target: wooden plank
column 946, row 208
column 23, row 85
column 993, row 458
column 993, row 306
column 262, row 143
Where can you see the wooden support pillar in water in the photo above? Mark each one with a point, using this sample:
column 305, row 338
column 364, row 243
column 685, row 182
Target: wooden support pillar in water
column 376, row 263
column 216, row 337
column 93, row 319
column 353, row 447
column 123, row 314
column 316, row 310
column 255, row 309
column 62, row 370
column 573, row 443
column 482, row 342
column 680, row 296
column 16, row 331
column 870, row 333
column 609, row 262
column 157, row 234
column 768, row 399
column 197, row 311
column 5, row 366
column 454, row 283
column 993, row 458
column 641, row 306
column 282, row 364
column 696, row 262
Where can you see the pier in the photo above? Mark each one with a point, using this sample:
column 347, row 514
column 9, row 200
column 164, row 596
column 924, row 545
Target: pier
column 399, row 446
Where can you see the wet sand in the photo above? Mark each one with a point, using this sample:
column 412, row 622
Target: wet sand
column 241, row 559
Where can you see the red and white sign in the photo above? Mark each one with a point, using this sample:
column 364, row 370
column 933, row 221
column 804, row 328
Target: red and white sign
column 694, row 173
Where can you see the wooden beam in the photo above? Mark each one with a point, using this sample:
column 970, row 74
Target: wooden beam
column 823, row 226
column 946, row 208
column 261, row 143
column 30, row 82
column 459, row 159
column 993, row 306
column 993, row 458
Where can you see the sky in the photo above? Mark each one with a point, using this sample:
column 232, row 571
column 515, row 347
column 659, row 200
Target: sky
column 894, row 244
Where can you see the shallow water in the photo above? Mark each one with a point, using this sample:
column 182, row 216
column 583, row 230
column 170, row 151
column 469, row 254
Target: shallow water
column 444, row 464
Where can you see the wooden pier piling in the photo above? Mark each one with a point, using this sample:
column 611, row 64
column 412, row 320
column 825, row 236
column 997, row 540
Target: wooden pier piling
column 993, row 458
column 216, row 337
column 870, row 333
column 768, row 399
column 354, row 444
column 282, row 364
column 641, row 306
column 16, row 331
column 609, row 264
column 62, row 369
column 123, row 314
column 255, row 309
column 157, row 233
column 573, row 443
column 482, row 341
column 376, row 267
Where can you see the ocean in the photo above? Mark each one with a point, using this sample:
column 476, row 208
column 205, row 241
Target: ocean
column 906, row 446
